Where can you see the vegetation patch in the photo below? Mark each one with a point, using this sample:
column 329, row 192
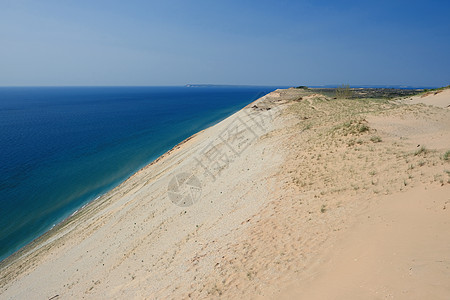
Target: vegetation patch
column 352, row 127
column 422, row 151
column 344, row 92
column 375, row 139
column 446, row 155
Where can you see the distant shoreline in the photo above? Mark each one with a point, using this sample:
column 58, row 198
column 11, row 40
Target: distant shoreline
column 203, row 121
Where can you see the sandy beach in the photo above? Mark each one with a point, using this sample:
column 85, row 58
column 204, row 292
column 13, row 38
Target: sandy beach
column 296, row 196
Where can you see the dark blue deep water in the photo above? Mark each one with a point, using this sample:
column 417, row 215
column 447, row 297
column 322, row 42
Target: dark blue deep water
column 61, row 147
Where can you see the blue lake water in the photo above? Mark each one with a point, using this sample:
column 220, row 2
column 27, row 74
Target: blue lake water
column 61, row 147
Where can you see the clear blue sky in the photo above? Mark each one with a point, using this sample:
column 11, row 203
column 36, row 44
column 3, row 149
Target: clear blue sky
column 261, row 42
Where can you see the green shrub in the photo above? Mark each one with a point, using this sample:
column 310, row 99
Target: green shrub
column 375, row 139
column 344, row 92
column 363, row 128
column 446, row 155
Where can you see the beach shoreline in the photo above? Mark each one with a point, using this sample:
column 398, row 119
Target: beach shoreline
column 35, row 243
column 47, row 234
column 278, row 193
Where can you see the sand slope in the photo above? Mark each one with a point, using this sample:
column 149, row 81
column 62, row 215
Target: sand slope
column 440, row 98
column 283, row 192
column 400, row 249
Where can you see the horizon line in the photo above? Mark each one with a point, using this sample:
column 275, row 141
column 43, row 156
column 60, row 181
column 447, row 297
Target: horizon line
column 238, row 85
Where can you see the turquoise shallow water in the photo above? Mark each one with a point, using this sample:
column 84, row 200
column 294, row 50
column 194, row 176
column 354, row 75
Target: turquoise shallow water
column 61, row 147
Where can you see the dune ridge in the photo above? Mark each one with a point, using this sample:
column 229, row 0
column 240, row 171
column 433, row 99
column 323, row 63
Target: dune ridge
column 288, row 185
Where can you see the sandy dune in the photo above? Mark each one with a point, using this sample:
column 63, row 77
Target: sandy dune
column 295, row 196
column 398, row 249
column 440, row 98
